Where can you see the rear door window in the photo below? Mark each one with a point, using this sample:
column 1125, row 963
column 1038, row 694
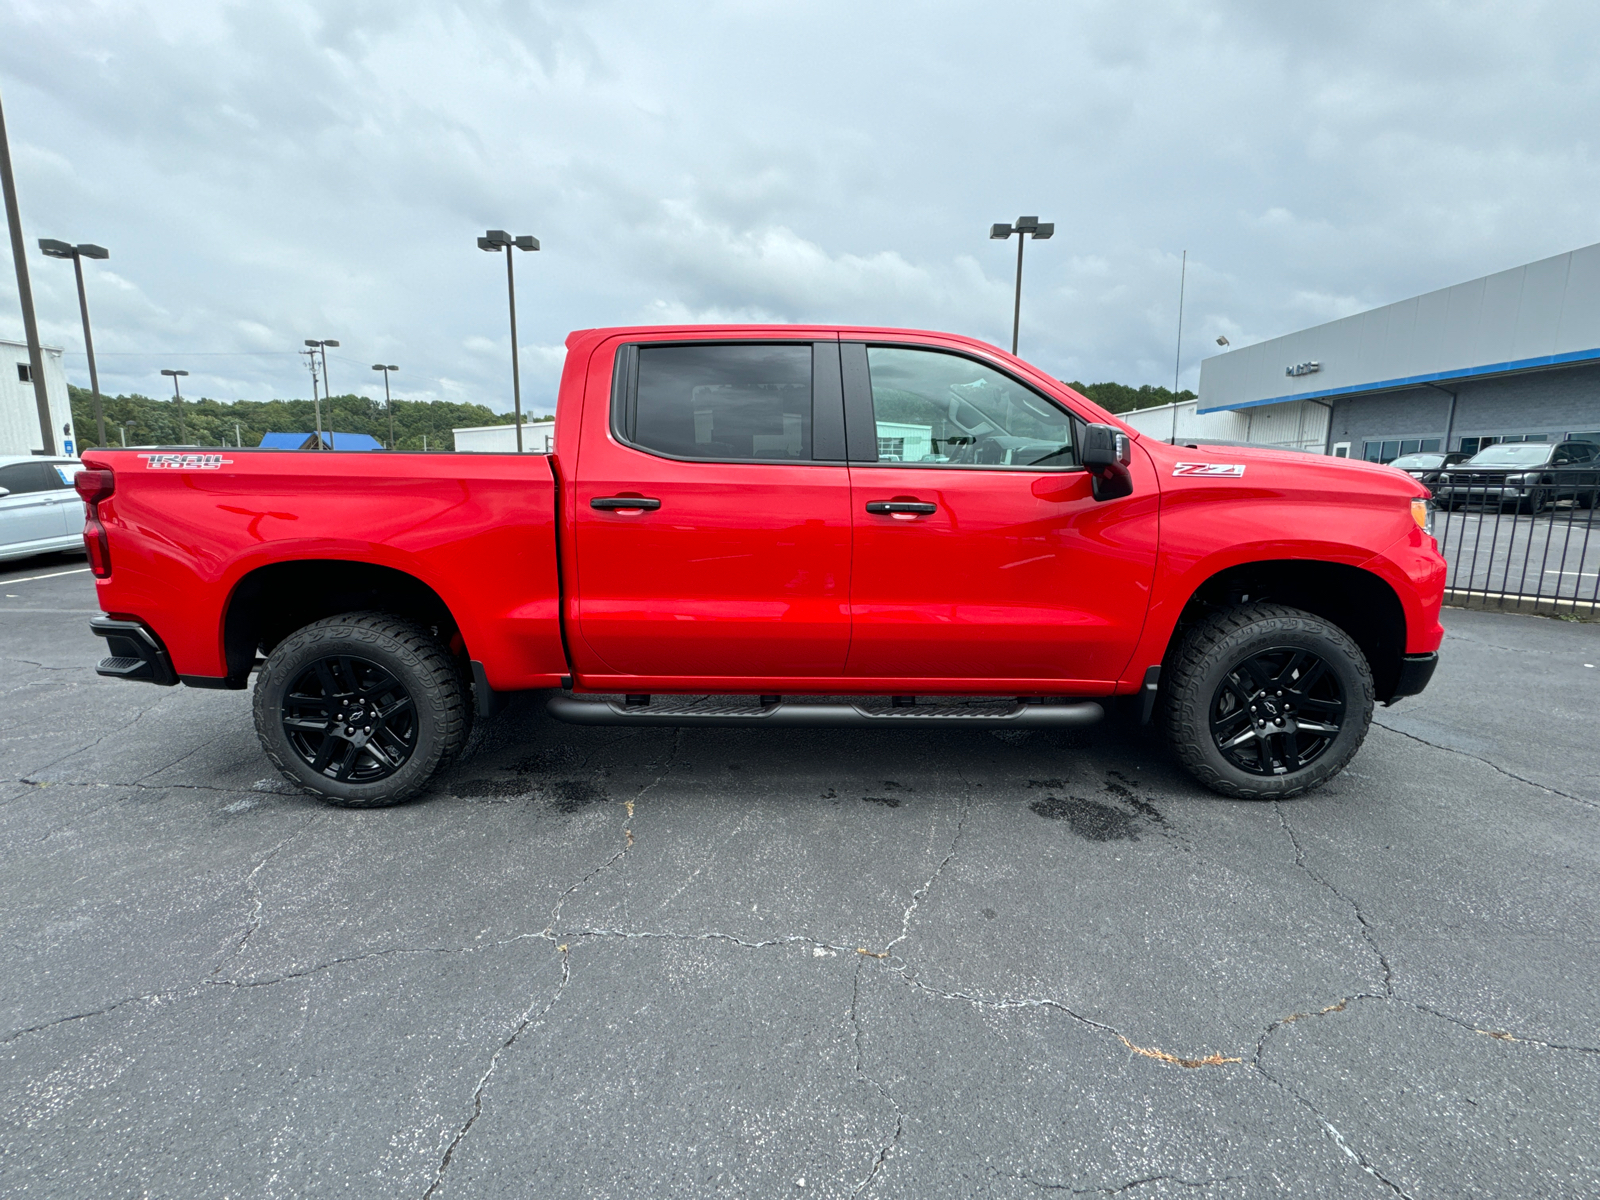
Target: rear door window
column 29, row 477
column 720, row 403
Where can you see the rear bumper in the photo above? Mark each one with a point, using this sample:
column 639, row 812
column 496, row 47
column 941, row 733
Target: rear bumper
column 1415, row 672
column 136, row 652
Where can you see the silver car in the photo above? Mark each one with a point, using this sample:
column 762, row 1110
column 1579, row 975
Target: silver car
column 40, row 511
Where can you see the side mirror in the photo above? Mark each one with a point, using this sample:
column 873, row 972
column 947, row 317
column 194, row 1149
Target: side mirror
column 1107, row 452
column 4, row 492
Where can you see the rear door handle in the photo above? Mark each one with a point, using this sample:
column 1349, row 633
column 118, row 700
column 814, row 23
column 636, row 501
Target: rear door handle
column 625, row 502
column 889, row 507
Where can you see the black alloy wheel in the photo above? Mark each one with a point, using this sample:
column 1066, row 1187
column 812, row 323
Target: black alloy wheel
column 362, row 709
column 1276, row 711
column 349, row 719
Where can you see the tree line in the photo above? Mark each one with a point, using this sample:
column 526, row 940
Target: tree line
column 154, row 422
column 1119, row 397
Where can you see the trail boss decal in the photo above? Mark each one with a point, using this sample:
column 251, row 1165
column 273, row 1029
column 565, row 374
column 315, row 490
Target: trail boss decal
column 1211, row 470
column 186, row 462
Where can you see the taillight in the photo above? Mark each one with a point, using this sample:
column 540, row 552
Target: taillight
column 95, row 484
column 94, row 541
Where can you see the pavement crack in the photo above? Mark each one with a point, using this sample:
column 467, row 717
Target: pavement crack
column 1116, row 1189
column 1367, row 932
column 921, row 893
column 83, row 1016
column 528, row 1018
column 561, row 901
column 899, row 1114
column 1209, row 1060
column 1500, row 1035
column 1543, row 787
column 253, row 888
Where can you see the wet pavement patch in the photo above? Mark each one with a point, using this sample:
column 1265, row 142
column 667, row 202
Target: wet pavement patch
column 886, row 801
column 1089, row 819
column 571, row 795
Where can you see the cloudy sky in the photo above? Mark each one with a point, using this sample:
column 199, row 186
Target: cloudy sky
column 268, row 172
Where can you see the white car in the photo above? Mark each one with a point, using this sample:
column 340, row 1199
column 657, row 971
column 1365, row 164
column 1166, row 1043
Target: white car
column 40, row 511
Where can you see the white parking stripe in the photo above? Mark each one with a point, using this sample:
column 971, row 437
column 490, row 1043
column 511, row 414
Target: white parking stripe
column 53, row 575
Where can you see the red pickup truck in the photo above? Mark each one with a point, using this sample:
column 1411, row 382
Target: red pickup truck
column 777, row 525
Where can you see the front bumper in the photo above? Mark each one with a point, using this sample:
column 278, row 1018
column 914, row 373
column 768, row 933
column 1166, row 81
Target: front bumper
column 136, row 652
column 1415, row 672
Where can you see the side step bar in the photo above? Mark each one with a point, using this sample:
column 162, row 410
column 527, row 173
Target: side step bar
column 812, row 714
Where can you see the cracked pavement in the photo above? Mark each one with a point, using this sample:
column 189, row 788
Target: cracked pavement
column 731, row 963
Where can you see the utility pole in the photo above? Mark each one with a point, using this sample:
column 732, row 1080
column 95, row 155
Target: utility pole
column 322, row 344
column 311, row 362
column 1177, row 356
column 30, row 327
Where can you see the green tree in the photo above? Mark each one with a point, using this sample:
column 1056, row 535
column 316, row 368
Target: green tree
column 1119, row 397
column 209, row 422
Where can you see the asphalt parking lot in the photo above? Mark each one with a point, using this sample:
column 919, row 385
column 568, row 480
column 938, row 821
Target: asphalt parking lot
column 802, row 963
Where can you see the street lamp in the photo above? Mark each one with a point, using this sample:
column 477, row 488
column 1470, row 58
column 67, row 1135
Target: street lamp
column 57, row 249
column 177, row 397
column 1024, row 226
column 327, row 391
column 494, row 241
column 387, row 403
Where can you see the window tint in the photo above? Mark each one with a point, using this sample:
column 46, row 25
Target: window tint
column 936, row 409
column 1579, row 451
column 29, row 477
column 723, row 402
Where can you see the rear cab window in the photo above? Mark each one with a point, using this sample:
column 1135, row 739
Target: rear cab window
column 727, row 402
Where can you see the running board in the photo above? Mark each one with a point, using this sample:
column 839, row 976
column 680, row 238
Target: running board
column 810, row 714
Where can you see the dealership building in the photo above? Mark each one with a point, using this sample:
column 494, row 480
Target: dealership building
column 19, row 406
column 1513, row 356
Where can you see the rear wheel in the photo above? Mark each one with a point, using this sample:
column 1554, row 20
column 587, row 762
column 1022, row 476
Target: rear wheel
column 1267, row 701
column 361, row 709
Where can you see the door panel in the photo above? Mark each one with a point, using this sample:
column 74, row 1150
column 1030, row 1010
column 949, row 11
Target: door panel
column 1015, row 575
column 743, row 569
column 31, row 513
column 1016, row 572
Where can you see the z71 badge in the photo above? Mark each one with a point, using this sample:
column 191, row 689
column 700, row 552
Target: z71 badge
column 1211, row 470
column 186, row 462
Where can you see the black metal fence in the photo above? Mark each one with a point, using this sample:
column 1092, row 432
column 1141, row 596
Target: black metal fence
column 1519, row 540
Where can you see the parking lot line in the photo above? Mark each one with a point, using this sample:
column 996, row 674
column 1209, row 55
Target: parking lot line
column 52, row 575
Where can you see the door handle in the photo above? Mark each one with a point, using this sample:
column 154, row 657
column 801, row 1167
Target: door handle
column 634, row 503
column 891, row 507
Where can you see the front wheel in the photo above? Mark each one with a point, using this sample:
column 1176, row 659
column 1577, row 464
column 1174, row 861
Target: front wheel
column 1266, row 701
column 361, row 709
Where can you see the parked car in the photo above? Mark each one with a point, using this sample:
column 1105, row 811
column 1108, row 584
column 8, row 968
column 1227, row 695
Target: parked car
column 1529, row 475
column 1426, row 467
column 738, row 526
column 39, row 510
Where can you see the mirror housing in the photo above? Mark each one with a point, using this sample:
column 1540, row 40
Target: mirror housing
column 4, row 492
column 1107, row 453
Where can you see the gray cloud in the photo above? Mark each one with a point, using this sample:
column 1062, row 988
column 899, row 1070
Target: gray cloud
column 266, row 173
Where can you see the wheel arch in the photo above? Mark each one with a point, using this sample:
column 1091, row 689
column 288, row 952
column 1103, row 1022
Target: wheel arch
column 272, row 601
column 1359, row 602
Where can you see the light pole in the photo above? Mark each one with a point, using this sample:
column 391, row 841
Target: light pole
column 494, row 240
column 177, row 398
column 30, row 327
column 122, row 428
column 1024, row 227
column 327, row 391
column 387, row 403
column 57, row 249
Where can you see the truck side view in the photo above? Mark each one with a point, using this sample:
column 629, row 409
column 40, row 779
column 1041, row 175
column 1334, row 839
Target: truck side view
column 777, row 525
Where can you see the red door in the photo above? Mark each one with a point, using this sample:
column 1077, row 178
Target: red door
column 735, row 563
column 981, row 554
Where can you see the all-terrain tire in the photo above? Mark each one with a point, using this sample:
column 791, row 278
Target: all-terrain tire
column 1216, row 646
column 413, row 658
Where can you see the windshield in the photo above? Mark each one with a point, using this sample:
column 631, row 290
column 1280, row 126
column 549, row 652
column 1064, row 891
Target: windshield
column 1512, row 455
column 1418, row 462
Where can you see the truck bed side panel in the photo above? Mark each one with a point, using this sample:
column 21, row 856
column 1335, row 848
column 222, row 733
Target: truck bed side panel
column 479, row 529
